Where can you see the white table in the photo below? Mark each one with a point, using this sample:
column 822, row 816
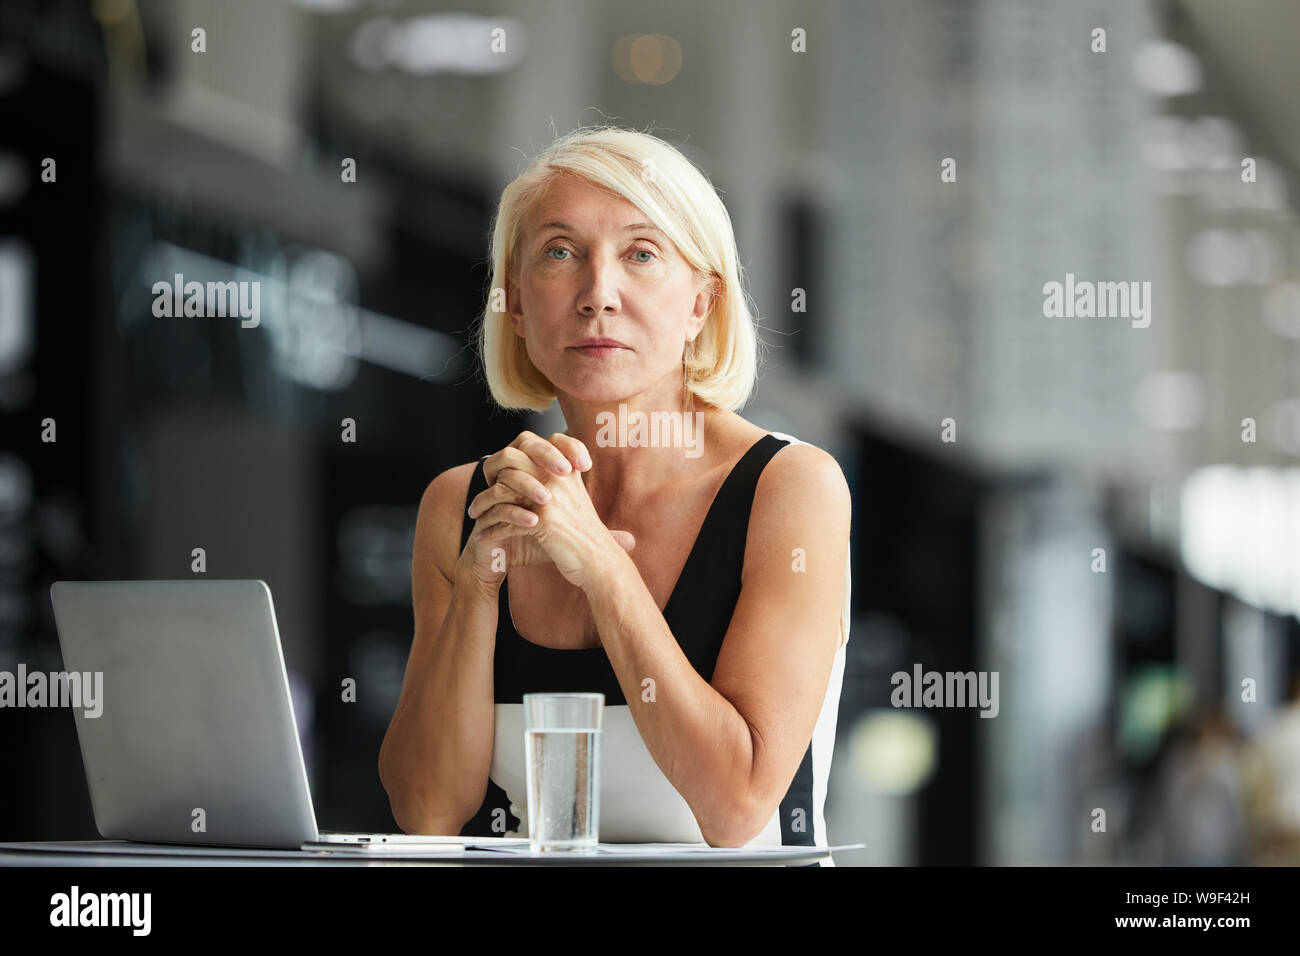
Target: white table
column 120, row 853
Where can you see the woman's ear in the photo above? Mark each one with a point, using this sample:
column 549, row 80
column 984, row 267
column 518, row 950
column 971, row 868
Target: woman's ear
column 512, row 307
column 707, row 296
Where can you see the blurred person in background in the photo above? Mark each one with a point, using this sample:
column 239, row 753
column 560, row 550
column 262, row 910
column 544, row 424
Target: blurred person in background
column 1200, row 817
column 1272, row 768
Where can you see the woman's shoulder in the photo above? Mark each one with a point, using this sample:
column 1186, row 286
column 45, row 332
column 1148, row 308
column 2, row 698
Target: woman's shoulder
column 440, row 516
column 801, row 460
column 449, row 487
column 803, row 487
column 444, row 501
column 796, row 460
column 802, row 472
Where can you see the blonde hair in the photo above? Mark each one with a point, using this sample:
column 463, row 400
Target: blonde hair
column 720, row 366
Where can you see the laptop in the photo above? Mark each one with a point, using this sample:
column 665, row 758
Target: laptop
column 195, row 740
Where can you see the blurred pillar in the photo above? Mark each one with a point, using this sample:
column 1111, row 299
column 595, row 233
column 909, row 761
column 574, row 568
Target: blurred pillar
column 1048, row 624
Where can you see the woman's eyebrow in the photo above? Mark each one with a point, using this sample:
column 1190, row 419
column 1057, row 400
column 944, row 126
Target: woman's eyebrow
column 555, row 224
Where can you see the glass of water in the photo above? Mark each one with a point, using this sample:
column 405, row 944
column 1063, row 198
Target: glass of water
column 562, row 756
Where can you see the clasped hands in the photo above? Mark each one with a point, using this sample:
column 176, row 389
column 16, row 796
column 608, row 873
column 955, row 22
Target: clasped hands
column 536, row 510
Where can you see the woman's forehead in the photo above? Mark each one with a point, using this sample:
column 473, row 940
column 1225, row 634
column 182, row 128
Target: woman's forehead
column 566, row 193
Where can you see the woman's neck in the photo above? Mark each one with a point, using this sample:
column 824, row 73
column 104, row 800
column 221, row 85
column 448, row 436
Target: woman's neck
column 637, row 452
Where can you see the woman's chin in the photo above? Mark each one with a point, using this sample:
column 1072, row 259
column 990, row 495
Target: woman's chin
column 599, row 396
column 592, row 389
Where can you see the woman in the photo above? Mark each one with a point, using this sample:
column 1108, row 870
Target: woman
column 663, row 551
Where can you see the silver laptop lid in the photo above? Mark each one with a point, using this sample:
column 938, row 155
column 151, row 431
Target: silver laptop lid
column 196, row 713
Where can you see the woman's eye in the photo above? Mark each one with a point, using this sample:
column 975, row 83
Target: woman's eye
column 636, row 252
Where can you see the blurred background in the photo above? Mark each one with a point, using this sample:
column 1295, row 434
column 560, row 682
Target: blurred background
column 1107, row 515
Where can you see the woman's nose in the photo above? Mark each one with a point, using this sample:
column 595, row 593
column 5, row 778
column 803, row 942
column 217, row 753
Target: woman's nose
column 599, row 286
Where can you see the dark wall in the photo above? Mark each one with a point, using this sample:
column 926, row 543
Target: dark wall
column 914, row 570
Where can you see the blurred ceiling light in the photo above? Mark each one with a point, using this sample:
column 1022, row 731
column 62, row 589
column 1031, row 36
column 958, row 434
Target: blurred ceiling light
column 1167, row 69
column 314, row 328
column 1225, row 257
column 1228, row 192
column 328, row 6
column 1203, row 142
column 317, row 332
column 1239, row 528
column 17, row 296
column 1214, row 142
column 439, row 43
column 1170, row 401
column 15, row 488
column 892, row 751
column 1282, row 309
column 651, row 58
column 371, row 44
column 1210, row 504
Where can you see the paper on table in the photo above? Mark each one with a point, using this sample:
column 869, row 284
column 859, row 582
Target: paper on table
column 449, row 849
column 653, row 847
column 687, row 848
column 432, row 844
column 474, row 843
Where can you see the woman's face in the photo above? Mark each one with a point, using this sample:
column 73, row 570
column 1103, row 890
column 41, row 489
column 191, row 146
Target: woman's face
column 590, row 265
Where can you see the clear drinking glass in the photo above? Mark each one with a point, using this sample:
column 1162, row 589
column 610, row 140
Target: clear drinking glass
column 562, row 756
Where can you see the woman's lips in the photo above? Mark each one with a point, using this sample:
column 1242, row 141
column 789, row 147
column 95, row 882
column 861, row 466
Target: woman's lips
column 598, row 351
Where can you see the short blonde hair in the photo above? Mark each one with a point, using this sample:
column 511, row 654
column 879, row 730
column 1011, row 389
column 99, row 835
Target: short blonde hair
column 721, row 364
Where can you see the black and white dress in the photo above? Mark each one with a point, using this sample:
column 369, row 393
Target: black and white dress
column 638, row 804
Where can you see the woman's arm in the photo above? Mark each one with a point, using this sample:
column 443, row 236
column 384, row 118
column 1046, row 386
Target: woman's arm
column 437, row 753
column 731, row 748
